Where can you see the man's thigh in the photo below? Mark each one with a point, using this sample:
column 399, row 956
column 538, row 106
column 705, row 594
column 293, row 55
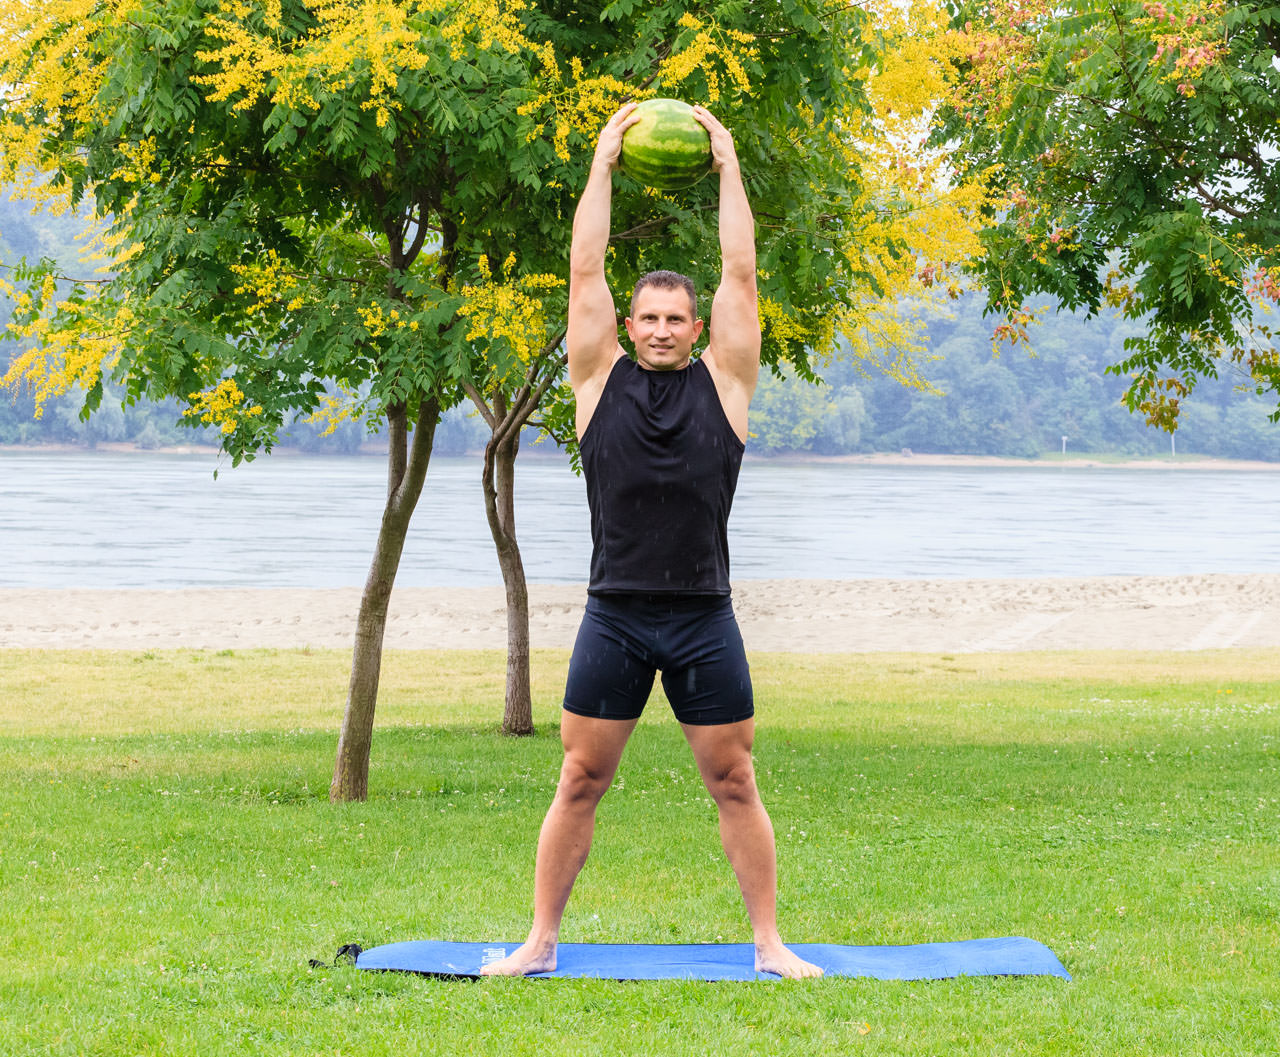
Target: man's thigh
column 707, row 679
column 610, row 673
column 593, row 747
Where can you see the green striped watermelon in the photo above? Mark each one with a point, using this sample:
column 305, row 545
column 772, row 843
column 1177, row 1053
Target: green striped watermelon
column 666, row 148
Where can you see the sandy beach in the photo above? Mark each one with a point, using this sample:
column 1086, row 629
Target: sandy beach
column 1211, row 611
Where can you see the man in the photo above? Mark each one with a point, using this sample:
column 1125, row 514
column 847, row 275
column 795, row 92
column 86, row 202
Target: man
column 662, row 439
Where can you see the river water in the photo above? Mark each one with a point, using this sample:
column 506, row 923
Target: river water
column 156, row 520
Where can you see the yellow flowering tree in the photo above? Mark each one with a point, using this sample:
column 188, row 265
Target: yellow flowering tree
column 373, row 198
column 285, row 190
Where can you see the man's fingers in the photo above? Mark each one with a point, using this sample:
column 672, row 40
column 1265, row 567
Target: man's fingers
column 623, row 114
column 622, row 120
column 707, row 119
column 609, row 143
column 714, row 128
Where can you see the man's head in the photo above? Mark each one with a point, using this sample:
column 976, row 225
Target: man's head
column 667, row 281
column 664, row 322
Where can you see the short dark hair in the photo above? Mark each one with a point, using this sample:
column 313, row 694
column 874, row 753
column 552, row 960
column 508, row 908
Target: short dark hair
column 664, row 280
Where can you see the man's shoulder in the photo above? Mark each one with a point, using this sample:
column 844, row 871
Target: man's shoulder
column 598, row 378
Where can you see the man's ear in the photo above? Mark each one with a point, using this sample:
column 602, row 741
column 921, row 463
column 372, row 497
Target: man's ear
column 627, row 323
column 698, row 324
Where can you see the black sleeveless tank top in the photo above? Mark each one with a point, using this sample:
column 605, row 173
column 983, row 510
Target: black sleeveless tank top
column 661, row 463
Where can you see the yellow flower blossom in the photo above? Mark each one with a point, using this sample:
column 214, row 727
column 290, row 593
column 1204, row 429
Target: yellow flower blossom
column 510, row 311
column 375, row 323
column 334, row 411
column 78, row 352
column 224, row 406
column 379, row 38
column 268, row 280
column 717, row 52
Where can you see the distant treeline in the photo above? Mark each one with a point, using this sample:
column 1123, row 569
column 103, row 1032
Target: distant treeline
column 1014, row 404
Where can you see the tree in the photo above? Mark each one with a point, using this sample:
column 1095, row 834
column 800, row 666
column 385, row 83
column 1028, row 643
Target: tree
column 507, row 392
column 289, row 190
column 328, row 207
column 1133, row 148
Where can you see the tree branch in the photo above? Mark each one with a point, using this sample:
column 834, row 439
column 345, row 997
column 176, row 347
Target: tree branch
column 527, row 398
column 637, row 231
column 420, row 236
column 553, row 374
column 60, row 277
column 524, row 402
column 482, row 405
column 1214, row 202
column 821, row 15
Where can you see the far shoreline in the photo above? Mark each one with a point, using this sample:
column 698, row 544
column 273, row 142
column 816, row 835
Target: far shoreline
column 1102, row 461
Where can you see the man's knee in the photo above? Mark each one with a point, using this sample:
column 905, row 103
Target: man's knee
column 732, row 782
column 583, row 780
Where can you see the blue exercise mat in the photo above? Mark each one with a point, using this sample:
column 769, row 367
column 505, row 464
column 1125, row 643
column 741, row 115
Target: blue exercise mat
column 1005, row 956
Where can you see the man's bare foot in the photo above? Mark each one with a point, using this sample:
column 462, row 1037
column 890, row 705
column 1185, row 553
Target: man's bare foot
column 525, row 959
column 775, row 958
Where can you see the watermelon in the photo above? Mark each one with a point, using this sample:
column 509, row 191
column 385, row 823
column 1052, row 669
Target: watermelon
column 666, row 148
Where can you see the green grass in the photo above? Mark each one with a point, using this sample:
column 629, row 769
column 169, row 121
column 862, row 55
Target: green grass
column 170, row 862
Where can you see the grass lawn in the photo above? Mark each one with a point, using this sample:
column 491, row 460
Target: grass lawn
column 170, row 861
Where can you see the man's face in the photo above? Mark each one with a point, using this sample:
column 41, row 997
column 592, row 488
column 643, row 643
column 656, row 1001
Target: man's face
column 663, row 329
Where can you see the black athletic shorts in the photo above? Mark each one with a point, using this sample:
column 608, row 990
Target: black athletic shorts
column 693, row 639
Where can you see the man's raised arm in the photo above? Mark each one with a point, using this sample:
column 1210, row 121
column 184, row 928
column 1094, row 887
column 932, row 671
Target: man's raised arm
column 734, row 351
column 592, row 337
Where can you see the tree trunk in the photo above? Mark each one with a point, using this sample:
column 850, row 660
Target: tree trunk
column 406, row 472
column 505, row 419
column 499, row 501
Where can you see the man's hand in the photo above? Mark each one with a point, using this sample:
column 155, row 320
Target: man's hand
column 723, row 154
column 609, row 146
